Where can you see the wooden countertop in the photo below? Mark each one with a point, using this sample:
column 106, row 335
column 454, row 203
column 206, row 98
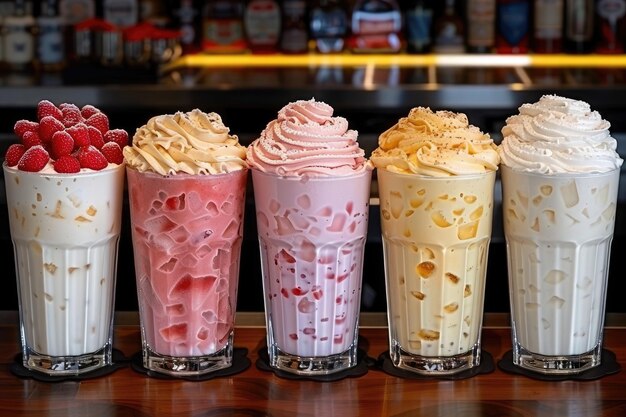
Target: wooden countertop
column 257, row 393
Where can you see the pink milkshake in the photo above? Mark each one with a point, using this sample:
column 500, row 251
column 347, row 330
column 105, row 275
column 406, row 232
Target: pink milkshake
column 311, row 186
column 186, row 182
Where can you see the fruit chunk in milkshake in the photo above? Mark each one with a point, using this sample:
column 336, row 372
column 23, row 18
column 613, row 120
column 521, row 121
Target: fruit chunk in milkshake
column 186, row 181
column 312, row 188
column 64, row 183
column 436, row 176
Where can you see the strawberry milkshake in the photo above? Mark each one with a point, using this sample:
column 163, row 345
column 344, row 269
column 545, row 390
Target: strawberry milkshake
column 186, row 182
column 64, row 183
column 311, row 186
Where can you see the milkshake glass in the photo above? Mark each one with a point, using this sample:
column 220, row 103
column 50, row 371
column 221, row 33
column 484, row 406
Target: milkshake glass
column 312, row 189
column 560, row 177
column 187, row 233
column 436, row 176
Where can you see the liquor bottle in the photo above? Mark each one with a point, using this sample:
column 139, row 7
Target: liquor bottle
column 187, row 19
column 579, row 26
column 481, row 25
column 611, row 25
column 50, row 37
column 376, row 25
column 294, row 38
column 19, row 41
column 418, row 24
column 122, row 13
column 513, row 18
column 548, row 26
column 222, row 27
column 329, row 25
column 261, row 24
column 76, row 11
column 449, row 31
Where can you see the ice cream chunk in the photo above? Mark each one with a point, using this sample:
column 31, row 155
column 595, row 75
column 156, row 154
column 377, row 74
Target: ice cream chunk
column 437, row 144
column 558, row 135
column 194, row 143
column 306, row 140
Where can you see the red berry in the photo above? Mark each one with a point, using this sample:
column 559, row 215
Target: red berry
column 68, row 106
column 14, row 154
column 66, row 165
column 88, row 110
column 62, row 144
column 100, row 121
column 95, row 137
column 118, row 136
column 47, row 108
column 113, row 153
column 34, row 159
column 80, row 134
column 92, row 158
column 31, row 139
column 47, row 127
column 71, row 116
column 23, row 126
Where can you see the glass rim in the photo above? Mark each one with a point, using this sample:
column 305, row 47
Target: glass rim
column 305, row 178
column 59, row 175
column 422, row 177
column 184, row 175
column 563, row 175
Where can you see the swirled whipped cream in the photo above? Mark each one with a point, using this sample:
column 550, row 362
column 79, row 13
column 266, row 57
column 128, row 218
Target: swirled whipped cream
column 306, row 140
column 194, row 143
column 558, row 135
column 437, row 144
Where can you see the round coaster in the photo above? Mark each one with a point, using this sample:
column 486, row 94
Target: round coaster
column 608, row 365
column 486, row 366
column 360, row 369
column 18, row 369
column 240, row 363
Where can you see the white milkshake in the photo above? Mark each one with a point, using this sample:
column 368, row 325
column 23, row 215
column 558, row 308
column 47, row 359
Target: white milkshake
column 560, row 176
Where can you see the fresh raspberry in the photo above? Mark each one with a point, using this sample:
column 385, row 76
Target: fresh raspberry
column 66, row 165
column 95, row 137
column 119, row 136
column 68, row 106
column 62, row 144
column 113, row 153
column 92, row 158
column 34, row 159
column 47, row 108
column 23, row 126
column 31, row 139
column 71, row 116
column 14, row 154
column 80, row 134
column 88, row 110
column 100, row 121
column 47, row 127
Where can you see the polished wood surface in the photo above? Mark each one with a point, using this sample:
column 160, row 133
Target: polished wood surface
column 257, row 393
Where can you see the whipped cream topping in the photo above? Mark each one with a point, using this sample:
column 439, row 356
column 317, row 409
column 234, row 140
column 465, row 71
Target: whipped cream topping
column 306, row 140
column 558, row 135
column 437, row 144
column 194, row 143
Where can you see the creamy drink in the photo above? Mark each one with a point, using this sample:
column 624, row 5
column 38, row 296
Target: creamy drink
column 560, row 176
column 312, row 187
column 64, row 199
column 436, row 175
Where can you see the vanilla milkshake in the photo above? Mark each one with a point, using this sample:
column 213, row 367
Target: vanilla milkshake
column 312, row 188
column 560, row 176
column 436, row 175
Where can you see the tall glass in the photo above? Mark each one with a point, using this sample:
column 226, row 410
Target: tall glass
column 558, row 230
column 436, row 233
column 65, row 230
column 187, row 233
column 312, row 235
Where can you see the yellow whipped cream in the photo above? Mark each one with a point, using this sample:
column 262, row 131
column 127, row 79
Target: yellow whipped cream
column 194, row 143
column 437, row 144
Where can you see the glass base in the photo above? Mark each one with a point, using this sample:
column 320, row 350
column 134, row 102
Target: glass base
column 556, row 365
column 68, row 365
column 188, row 365
column 320, row 365
column 435, row 365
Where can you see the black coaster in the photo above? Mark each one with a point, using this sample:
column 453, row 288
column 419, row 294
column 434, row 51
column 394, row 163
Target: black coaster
column 608, row 365
column 18, row 369
column 486, row 366
column 363, row 363
column 240, row 363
